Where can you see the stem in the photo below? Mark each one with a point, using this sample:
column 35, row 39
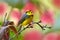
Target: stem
column 20, row 28
column 41, row 26
column 19, row 32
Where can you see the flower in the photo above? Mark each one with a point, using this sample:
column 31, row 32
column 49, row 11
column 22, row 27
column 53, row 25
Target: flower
column 51, row 36
column 47, row 17
column 29, row 6
column 3, row 9
column 56, row 3
column 33, row 35
column 15, row 16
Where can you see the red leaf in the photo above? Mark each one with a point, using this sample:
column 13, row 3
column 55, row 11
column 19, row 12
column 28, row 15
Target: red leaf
column 2, row 30
column 13, row 29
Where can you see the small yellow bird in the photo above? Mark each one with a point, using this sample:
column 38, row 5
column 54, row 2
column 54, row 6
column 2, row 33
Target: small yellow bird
column 26, row 18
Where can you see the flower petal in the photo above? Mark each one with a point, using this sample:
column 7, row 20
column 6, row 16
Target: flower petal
column 3, row 8
column 15, row 15
column 33, row 35
column 51, row 36
column 29, row 6
column 56, row 3
column 47, row 17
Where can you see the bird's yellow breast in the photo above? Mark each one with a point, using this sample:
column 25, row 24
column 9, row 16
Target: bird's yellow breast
column 27, row 21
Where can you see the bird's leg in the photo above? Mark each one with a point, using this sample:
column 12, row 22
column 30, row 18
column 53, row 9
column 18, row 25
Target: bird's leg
column 39, row 21
column 30, row 25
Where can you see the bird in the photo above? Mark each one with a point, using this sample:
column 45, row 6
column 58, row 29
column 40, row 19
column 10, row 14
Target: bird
column 26, row 19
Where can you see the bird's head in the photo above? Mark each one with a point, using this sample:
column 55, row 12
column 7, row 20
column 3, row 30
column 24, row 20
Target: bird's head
column 29, row 12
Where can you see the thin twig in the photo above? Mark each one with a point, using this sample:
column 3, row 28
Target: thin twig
column 19, row 32
column 39, row 24
column 42, row 27
column 20, row 27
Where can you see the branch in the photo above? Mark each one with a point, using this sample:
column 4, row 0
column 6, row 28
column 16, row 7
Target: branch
column 29, row 26
column 19, row 32
column 42, row 27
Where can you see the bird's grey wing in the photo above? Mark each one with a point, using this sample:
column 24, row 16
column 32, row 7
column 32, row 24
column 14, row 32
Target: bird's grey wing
column 23, row 18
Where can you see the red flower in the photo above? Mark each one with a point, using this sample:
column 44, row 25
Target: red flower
column 29, row 6
column 33, row 35
column 56, row 3
column 15, row 15
column 3, row 8
column 58, row 36
column 47, row 17
column 51, row 36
